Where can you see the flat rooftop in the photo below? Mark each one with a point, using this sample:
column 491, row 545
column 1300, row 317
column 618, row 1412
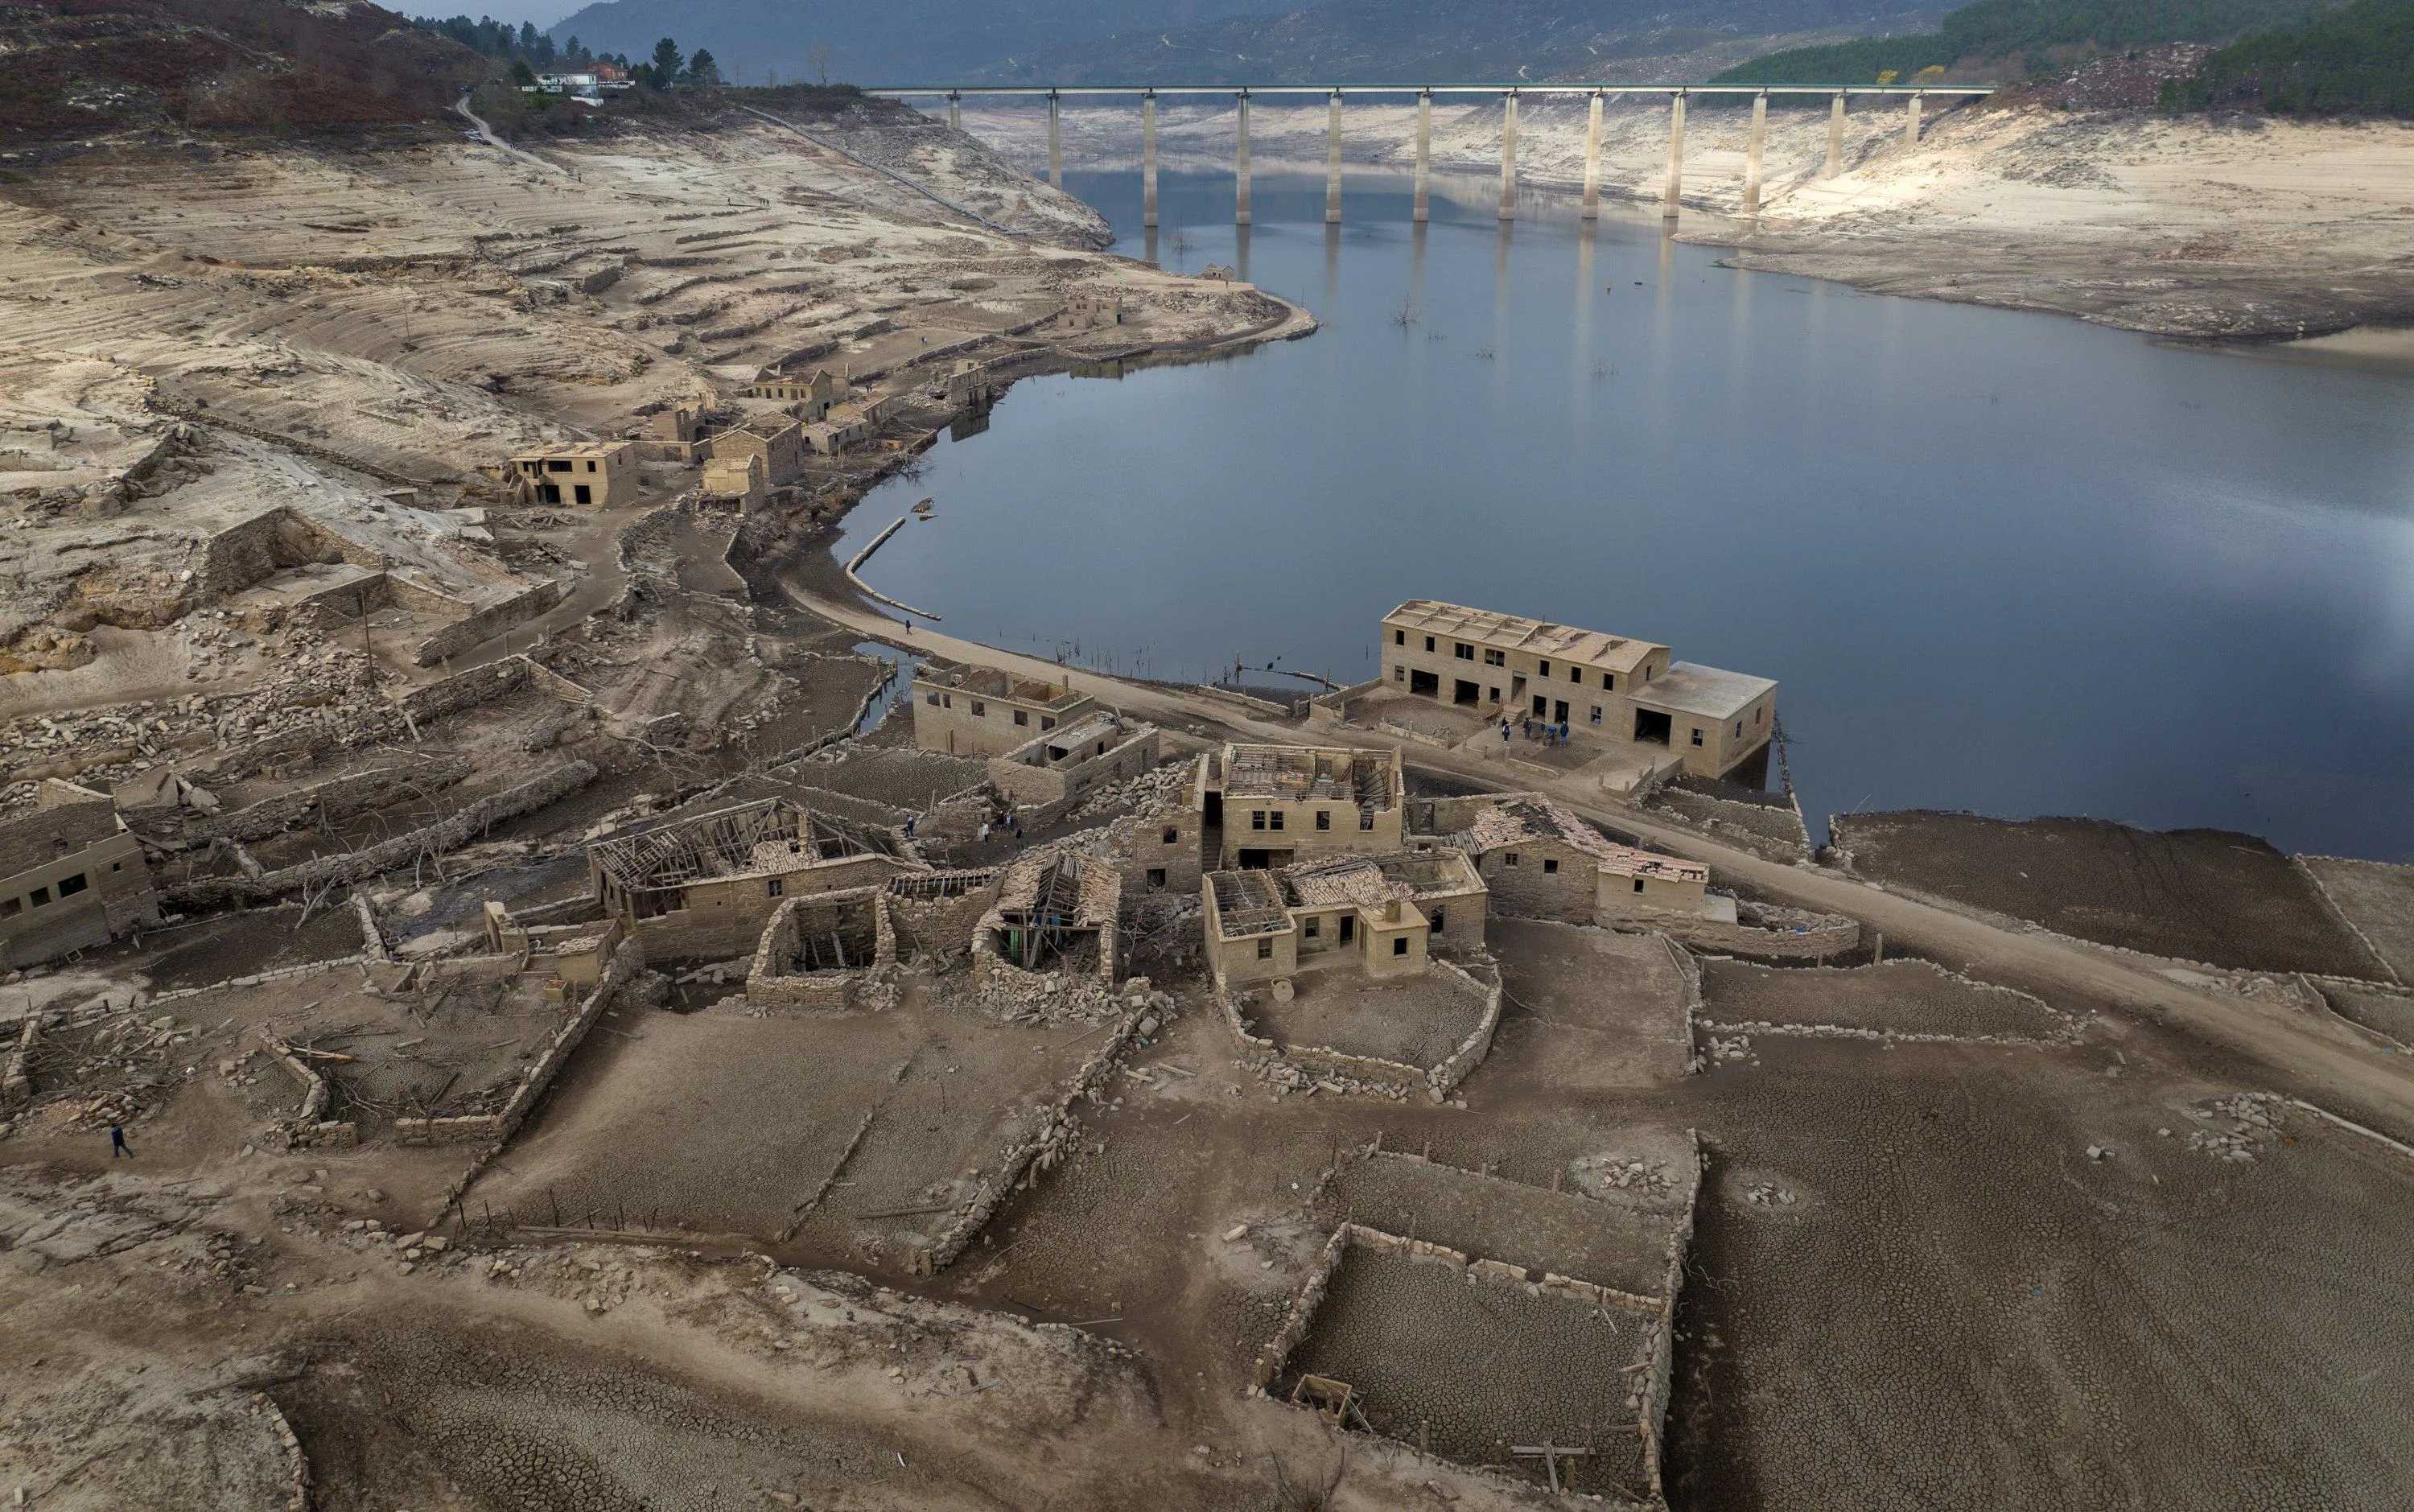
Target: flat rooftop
column 1370, row 881
column 1690, row 688
column 1513, row 632
column 573, row 450
column 1308, row 774
column 991, row 682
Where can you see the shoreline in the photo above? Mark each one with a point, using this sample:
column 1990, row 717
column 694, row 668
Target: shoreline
column 2227, row 230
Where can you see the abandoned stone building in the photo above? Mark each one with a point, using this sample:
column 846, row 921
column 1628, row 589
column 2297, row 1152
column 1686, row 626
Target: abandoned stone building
column 968, row 383
column 981, row 711
column 1087, row 312
column 599, row 472
column 778, row 443
column 738, row 479
column 1055, row 910
column 809, row 398
column 675, row 433
column 707, row 886
column 1607, row 689
column 1093, row 750
column 1382, row 915
column 1158, row 848
column 1540, row 861
column 71, row 877
column 1269, row 806
column 845, row 427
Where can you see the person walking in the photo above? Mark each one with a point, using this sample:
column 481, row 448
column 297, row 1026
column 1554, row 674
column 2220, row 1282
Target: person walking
column 117, row 1143
column 984, row 832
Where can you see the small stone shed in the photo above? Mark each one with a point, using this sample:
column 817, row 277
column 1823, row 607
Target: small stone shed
column 1056, row 910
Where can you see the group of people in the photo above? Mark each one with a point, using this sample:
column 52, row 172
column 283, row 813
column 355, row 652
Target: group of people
column 1543, row 731
column 1003, row 823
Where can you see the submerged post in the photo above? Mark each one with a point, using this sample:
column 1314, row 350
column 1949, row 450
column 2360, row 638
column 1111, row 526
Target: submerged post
column 1424, row 152
column 1835, row 137
column 1056, row 148
column 1241, row 168
column 1148, row 158
column 1676, row 155
column 1911, row 125
column 955, row 111
column 1332, row 160
column 1752, row 153
column 1592, row 160
column 1508, row 157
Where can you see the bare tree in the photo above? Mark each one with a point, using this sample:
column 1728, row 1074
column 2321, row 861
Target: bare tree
column 818, row 58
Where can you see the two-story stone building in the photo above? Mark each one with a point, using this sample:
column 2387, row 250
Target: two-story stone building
column 1269, row 805
column 981, row 711
column 1607, row 689
column 71, row 877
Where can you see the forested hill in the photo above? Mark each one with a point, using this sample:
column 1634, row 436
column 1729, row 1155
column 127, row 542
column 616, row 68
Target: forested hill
column 2009, row 38
column 1222, row 41
column 2356, row 60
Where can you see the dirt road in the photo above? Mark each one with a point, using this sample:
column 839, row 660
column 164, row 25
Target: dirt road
column 2302, row 1055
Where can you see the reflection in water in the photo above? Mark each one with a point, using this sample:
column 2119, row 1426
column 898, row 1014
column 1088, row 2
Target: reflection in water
column 2001, row 561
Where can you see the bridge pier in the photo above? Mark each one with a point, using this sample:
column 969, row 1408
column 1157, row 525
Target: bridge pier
column 1910, row 124
column 1752, row 153
column 1668, row 201
column 955, row 111
column 1241, row 168
column 1148, row 159
column 1332, row 160
column 1592, row 160
column 1055, row 146
column 1835, row 137
column 1419, row 215
column 1508, row 157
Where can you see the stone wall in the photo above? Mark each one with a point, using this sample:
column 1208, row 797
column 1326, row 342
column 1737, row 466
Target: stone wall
column 1760, row 932
column 488, row 622
column 268, row 543
column 774, row 985
column 1037, row 1153
column 467, row 689
column 1528, row 890
column 1138, row 845
column 626, row 963
column 16, row 1075
column 337, row 798
column 1073, row 780
column 940, row 928
column 352, row 866
column 309, row 1126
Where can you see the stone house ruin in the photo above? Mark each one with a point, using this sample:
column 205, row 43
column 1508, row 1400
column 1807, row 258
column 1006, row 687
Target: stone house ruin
column 1094, row 751
column 808, row 398
column 1543, row 862
column 1086, row 312
column 1607, row 689
column 981, row 711
column 1056, row 911
column 1382, row 915
column 672, row 434
column 968, row 383
column 816, row 948
column 735, row 479
column 1269, row 806
column 71, row 877
column 1158, row 849
column 709, row 884
column 780, row 445
column 599, row 472
column 935, row 914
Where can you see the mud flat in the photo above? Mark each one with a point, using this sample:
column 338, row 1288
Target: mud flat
column 2203, row 895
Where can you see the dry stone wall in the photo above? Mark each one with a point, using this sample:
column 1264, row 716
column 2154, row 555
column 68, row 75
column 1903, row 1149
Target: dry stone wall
column 351, row 866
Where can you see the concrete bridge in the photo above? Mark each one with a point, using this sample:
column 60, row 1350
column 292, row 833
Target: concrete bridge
column 1912, row 95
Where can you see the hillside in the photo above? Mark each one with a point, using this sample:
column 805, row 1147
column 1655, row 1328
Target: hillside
column 1996, row 40
column 75, row 68
column 1367, row 40
column 905, row 41
column 2355, row 60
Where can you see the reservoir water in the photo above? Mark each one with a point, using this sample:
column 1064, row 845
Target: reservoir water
column 2001, row 561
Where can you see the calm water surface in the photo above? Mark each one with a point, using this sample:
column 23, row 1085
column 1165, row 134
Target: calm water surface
column 2000, row 562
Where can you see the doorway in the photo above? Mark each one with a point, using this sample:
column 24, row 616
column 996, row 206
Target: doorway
column 1652, row 726
column 1466, row 695
column 1427, row 683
